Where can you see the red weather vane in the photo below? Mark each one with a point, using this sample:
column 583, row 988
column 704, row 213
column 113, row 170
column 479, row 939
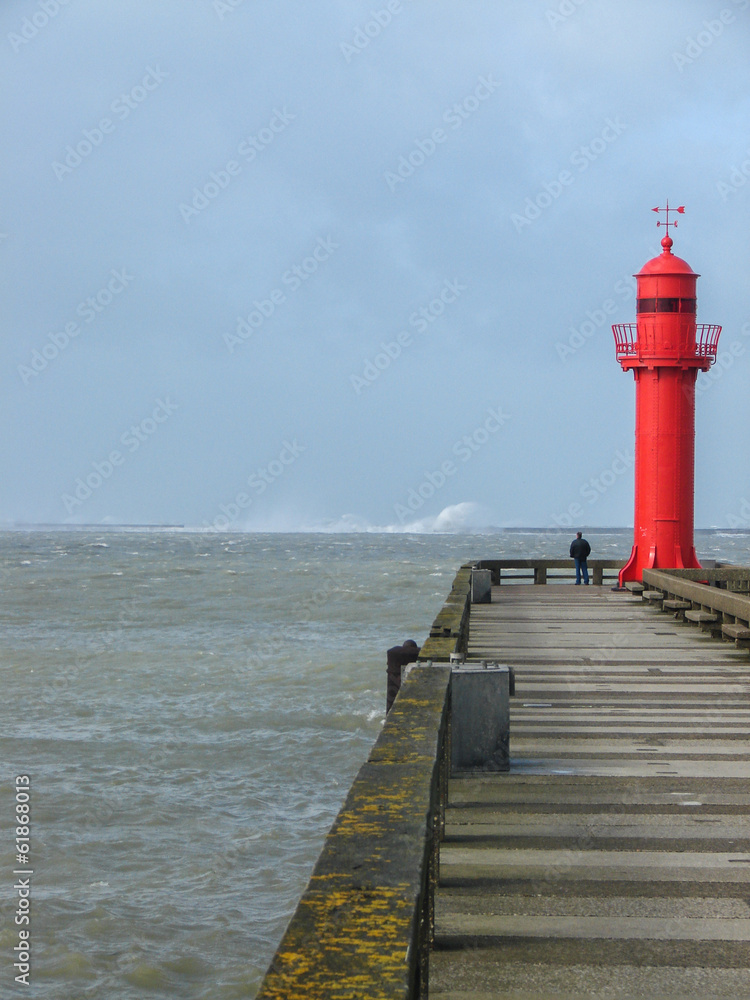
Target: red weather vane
column 681, row 210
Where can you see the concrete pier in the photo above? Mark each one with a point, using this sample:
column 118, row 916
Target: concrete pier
column 613, row 860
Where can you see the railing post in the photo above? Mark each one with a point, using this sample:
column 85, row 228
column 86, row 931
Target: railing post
column 540, row 574
column 598, row 575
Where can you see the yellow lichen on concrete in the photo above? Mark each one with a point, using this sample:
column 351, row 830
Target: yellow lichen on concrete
column 376, row 817
column 438, row 649
column 351, row 943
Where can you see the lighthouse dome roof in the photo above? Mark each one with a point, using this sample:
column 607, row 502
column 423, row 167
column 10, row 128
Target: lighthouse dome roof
column 666, row 263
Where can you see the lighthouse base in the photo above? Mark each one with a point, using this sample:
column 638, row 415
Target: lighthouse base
column 641, row 559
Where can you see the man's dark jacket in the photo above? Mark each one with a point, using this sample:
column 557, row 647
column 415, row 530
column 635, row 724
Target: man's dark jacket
column 579, row 549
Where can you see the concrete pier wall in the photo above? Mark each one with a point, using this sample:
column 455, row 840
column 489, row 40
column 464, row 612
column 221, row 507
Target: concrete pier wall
column 450, row 630
column 363, row 927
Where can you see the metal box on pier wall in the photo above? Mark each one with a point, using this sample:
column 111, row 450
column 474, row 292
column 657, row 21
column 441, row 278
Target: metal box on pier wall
column 480, row 728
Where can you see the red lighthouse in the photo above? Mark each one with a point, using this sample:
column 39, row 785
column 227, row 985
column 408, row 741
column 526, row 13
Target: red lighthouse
column 664, row 350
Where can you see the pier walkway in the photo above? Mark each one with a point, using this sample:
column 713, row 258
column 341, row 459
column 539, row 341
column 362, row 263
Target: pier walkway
column 613, row 860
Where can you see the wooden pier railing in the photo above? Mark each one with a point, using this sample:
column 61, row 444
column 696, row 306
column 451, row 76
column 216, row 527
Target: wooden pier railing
column 732, row 578
column 716, row 599
column 543, row 571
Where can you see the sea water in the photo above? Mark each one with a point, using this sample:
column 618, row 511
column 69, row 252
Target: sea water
column 190, row 710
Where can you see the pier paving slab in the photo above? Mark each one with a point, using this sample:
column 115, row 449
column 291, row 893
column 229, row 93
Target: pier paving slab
column 613, row 860
column 666, row 928
column 519, row 980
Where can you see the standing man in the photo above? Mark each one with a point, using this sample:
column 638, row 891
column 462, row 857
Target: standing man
column 579, row 551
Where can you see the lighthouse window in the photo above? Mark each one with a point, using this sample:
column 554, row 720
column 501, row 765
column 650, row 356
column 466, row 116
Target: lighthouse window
column 666, row 305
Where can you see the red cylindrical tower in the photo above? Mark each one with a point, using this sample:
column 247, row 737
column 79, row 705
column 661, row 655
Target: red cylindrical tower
column 664, row 349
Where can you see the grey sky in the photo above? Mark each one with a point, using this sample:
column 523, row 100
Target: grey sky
column 335, row 255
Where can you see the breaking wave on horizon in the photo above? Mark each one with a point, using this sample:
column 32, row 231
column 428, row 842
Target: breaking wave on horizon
column 461, row 518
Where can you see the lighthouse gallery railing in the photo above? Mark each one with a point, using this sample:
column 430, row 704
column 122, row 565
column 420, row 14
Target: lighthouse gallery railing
column 706, row 340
